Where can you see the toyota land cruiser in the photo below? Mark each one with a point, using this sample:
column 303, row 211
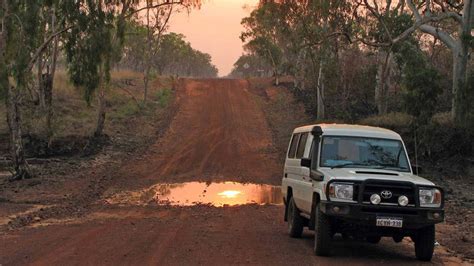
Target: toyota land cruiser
column 357, row 181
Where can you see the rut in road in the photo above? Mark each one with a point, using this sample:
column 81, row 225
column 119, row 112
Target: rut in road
column 218, row 134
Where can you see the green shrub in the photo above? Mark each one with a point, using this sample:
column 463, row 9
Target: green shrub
column 438, row 142
column 125, row 110
column 163, row 97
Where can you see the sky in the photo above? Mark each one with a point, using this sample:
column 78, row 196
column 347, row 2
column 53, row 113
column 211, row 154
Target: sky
column 215, row 29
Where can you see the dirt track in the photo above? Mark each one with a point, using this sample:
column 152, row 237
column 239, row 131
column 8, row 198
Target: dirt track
column 218, row 134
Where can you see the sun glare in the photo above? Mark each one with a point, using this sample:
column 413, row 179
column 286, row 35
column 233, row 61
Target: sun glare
column 229, row 193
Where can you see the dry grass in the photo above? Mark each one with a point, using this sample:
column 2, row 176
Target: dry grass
column 443, row 118
column 283, row 113
column 3, row 118
column 73, row 116
column 389, row 120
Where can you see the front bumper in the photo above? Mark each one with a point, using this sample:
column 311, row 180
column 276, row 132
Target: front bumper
column 364, row 214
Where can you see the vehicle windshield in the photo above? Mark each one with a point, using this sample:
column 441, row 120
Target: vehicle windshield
column 362, row 152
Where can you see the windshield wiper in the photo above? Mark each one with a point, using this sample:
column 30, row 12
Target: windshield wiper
column 347, row 164
column 389, row 166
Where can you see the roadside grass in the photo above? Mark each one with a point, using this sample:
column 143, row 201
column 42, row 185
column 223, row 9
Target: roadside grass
column 163, row 97
column 3, row 119
column 389, row 120
column 73, row 116
column 281, row 110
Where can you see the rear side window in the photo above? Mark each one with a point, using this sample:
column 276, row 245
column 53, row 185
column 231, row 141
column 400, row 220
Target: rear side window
column 301, row 145
column 293, row 145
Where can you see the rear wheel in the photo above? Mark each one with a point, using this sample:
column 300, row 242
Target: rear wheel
column 322, row 234
column 295, row 221
column 424, row 243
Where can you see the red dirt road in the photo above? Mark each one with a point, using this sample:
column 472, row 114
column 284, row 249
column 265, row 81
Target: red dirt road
column 218, row 134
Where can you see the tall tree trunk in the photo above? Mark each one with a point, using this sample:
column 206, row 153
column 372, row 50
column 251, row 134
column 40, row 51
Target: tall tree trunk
column 459, row 45
column 101, row 111
column 50, row 82
column 48, row 101
column 40, row 92
column 146, row 76
column 22, row 170
column 320, row 92
column 101, row 104
column 146, row 79
column 461, row 98
column 13, row 113
column 383, row 80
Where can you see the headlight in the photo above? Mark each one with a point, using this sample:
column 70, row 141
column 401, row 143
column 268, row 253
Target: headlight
column 341, row 191
column 430, row 197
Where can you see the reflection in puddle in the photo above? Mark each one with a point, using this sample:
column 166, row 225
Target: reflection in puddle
column 193, row 193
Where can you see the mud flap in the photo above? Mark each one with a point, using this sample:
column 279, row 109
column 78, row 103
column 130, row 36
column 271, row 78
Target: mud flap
column 312, row 220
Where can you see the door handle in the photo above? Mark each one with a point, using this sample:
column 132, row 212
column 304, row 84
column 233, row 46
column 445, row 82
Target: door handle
column 286, row 174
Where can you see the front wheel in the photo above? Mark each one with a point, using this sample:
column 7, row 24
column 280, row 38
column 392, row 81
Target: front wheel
column 322, row 233
column 295, row 221
column 424, row 243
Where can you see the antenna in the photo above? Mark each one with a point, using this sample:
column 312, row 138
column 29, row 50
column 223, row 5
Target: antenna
column 416, row 154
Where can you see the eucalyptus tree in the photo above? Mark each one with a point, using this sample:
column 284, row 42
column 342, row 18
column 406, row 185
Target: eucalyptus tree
column 451, row 22
column 156, row 24
column 22, row 41
column 175, row 56
column 133, row 56
column 305, row 36
column 263, row 35
column 93, row 38
column 50, row 21
column 96, row 41
column 375, row 25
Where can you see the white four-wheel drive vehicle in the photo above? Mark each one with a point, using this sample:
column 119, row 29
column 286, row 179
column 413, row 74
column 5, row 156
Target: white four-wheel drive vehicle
column 357, row 181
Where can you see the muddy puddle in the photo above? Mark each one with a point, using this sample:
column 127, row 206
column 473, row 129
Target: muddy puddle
column 194, row 193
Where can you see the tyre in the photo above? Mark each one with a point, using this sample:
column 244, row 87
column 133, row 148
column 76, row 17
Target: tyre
column 398, row 239
column 374, row 239
column 424, row 243
column 295, row 221
column 322, row 234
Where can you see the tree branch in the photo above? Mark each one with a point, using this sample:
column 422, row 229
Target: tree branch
column 441, row 35
column 44, row 45
column 414, row 10
column 181, row 2
column 421, row 23
column 379, row 17
column 334, row 34
column 468, row 17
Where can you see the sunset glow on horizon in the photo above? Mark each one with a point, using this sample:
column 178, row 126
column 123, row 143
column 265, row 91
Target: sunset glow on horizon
column 215, row 29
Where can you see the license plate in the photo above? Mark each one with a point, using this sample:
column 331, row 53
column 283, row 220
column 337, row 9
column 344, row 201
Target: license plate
column 389, row 222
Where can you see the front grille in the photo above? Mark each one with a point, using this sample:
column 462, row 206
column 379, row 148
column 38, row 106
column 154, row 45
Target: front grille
column 390, row 211
column 397, row 189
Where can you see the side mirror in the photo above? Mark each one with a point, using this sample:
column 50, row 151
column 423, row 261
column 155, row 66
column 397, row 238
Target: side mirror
column 416, row 169
column 305, row 162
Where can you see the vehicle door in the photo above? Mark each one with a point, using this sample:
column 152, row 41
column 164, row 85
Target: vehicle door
column 292, row 170
column 305, row 182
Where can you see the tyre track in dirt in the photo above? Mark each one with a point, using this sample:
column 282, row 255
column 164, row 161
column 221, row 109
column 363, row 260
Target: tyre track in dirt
column 218, row 134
